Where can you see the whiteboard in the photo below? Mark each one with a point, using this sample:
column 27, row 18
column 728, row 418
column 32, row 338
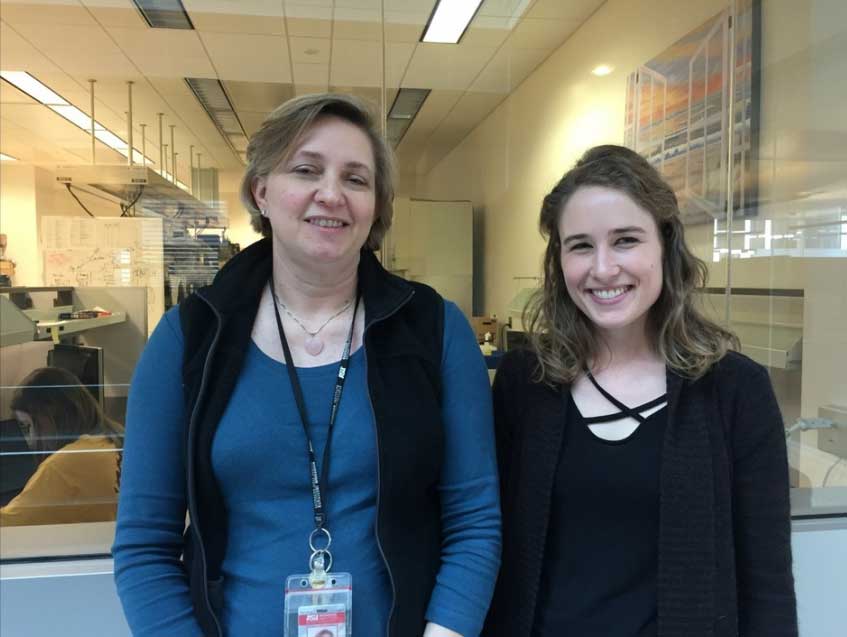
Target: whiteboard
column 106, row 252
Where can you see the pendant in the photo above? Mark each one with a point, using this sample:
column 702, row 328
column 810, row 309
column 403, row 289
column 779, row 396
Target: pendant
column 313, row 345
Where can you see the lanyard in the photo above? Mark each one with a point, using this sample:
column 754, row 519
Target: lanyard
column 318, row 491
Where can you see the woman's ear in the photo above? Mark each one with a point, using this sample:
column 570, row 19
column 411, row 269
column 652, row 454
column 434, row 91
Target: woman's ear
column 259, row 190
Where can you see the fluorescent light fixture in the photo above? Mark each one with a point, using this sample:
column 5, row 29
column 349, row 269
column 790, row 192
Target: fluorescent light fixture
column 449, row 20
column 164, row 14
column 601, row 70
column 213, row 98
column 111, row 140
column 407, row 103
column 4, row 157
column 38, row 91
column 32, row 87
column 75, row 116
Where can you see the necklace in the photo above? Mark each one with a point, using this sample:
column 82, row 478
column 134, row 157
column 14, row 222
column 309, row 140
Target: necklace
column 313, row 344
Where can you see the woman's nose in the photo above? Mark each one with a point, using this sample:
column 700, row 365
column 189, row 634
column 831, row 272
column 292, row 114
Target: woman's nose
column 605, row 264
column 329, row 192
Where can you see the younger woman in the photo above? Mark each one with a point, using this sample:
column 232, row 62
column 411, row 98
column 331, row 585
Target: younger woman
column 644, row 480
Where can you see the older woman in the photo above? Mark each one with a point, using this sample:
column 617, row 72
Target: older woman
column 643, row 468
column 308, row 394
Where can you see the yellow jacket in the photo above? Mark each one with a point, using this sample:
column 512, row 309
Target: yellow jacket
column 77, row 483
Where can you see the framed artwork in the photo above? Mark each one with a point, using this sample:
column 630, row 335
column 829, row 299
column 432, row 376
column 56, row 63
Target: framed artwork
column 685, row 106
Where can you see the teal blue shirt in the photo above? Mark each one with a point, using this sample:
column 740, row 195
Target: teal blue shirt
column 260, row 462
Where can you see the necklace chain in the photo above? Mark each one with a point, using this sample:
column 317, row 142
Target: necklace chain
column 302, row 325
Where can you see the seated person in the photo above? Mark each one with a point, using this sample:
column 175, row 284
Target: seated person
column 77, row 449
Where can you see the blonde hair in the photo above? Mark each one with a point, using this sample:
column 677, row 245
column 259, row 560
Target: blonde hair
column 564, row 339
column 283, row 130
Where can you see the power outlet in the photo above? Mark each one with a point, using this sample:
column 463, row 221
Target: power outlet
column 834, row 440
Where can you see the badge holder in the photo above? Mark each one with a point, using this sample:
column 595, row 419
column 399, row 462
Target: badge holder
column 319, row 603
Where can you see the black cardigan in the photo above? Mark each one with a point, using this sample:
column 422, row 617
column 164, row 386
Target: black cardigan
column 724, row 539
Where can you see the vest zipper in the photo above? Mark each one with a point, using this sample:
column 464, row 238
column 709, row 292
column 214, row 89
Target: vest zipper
column 378, row 462
column 192, row 504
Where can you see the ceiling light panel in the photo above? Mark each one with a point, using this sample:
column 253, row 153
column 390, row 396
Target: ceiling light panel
column 164, row 14
column 407, row 104
column 450, row 20
column 4, row 157
column 214, row 100
column 32, row 87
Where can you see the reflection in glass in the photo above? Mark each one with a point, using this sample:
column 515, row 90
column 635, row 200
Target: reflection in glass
column 76, row 451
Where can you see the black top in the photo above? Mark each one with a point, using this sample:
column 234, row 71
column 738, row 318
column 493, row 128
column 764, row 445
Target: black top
column 724, row 542
column 599, row 576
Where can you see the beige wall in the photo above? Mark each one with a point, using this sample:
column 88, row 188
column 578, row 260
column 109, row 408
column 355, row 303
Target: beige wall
column 17, row 221
column 512, row 159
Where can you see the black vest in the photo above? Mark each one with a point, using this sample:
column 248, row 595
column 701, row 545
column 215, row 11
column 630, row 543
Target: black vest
column 404, row 325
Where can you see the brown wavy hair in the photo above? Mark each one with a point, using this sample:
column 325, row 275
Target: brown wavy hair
column 563, row 338
column 282, row 131
column 62, row 410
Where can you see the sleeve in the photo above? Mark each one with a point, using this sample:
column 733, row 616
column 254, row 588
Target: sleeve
column 762, row 511
column 470, row 554
column 149, row 575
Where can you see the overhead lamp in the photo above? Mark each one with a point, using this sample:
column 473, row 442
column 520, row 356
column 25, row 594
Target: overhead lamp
column 164, row 14
column 4, row 157
column 450, row 20
column 601, row 70
column 32, row 87
column 215, row 101
column 49, row 98
column 407, row 103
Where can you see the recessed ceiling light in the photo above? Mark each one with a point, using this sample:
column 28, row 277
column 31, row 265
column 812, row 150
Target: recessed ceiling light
column 603, row 69
column 4, row 157
column 164, row 14
column 449, row 20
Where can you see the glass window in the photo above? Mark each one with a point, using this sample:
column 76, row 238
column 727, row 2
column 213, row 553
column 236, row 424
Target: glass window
column 101, row 233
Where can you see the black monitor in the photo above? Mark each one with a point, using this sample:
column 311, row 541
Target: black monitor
column 86, row 363
column 17, row 463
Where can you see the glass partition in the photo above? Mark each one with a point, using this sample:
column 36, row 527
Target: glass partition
column 99, row 241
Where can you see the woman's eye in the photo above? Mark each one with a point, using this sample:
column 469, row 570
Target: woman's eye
column 575, row 247
column 305, row 170
column 626, row 241
column 357, row 180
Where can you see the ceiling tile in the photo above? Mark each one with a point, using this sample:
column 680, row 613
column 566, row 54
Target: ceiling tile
column 308, row 20
column 164, row 52
column 357, row 24
column 79, row 49
column 43, row 13
column 403, row 26
column 248, row 57
column 260, row 97
column 487, row 32
column 16, row 54
column 311, row 75
column 447, row 67
column 578, row 10
column 508, row 8
column 356, row 63
column 533, row 33
column 115, row 13
column 309, row 50
column 371, row 5
column 305, row 89
column 398, row 55
column 251, row 121
column 508, row 68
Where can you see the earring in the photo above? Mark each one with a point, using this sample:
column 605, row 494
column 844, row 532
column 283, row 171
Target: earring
column 263, row 212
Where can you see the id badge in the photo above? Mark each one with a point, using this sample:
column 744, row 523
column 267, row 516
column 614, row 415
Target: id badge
column 319, row 611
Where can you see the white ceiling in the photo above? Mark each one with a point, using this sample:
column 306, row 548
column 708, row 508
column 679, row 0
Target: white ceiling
column 264, row 51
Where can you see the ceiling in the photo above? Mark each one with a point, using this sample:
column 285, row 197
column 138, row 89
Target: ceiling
column 263, row 51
